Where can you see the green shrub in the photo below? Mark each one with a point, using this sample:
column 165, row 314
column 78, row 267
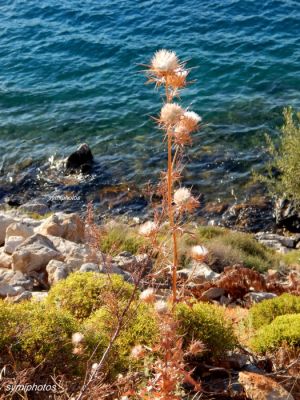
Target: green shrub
column 84, row 292
column 283, row 173
column 33, row 332
column 120, row 238
column 205, row 322
column 140, row 329
column 265, row 312
column 285, row 329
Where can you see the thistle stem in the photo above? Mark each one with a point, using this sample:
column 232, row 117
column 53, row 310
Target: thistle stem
column 170, row 207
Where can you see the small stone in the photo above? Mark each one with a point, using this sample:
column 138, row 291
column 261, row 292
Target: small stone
column 89, row 267
column 257, row 297
column 213, row 293
column 26, row 295
column 11, row 243
column 260, row 387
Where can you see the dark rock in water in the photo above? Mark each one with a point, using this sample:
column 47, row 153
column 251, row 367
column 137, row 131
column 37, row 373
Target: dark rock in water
column 287, row 215
column 81, row 159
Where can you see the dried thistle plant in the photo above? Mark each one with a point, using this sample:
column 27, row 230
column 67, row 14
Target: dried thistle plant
column 167, row 71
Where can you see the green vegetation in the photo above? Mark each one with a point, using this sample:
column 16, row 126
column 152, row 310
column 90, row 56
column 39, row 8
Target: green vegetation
column 264, row 313
column 120, row 238
column 283, row 330
column 83, row 293
column 207, row 323
column 283, row 173
column 36, row 333
column 140, row 328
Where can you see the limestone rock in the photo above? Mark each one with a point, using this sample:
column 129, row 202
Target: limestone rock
column 5, row 259
column 57, row 271
column 89, row 267
column 130, row 263
column 66, row 226
column 39, row 296
column 5, row 221
column 257, row 297
column 12, row 242
column 19, row 279
column 34, row 254
column 212, row 293
column 7, row 290
column 26, row 295
column 37, row 207
column 198, row 273
column 260, row 387
column 19, row 229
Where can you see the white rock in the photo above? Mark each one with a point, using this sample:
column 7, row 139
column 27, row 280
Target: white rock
column 12, row 242
column 257, row 297
column 37, row 207
column 5, row 221
column 66, row 226
column 26, row 295
column 5, row 259
column 19, row 229
column 39, row 296
column 34, row 254
column 198, row 273
column 57, row 271
column 7, row 290
column 89, row 267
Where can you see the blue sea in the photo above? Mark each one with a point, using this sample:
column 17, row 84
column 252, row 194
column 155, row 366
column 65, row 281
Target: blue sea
column 70, row 72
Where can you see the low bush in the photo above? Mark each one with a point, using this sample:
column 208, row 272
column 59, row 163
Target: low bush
column 284, row 330
column 140, row 329
column 84, row 292
column 35, row 333
column 207, row 323
column 264, row 313
column 119, row 238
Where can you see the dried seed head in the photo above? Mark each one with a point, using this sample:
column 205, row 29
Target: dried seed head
column 196, row 347
column 148, row 295
column 171, row 114
column 148, row 228
column 192, row 116
column 77, row 338
column 137, row 352
column 164, row 61
column 199, row 252
column 182, row 196
column 161, row 307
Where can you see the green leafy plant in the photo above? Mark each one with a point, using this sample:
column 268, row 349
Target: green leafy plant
column 264, row 313
column 206, row 323
column 84, row 292
column 284, row 329
column 283, row 172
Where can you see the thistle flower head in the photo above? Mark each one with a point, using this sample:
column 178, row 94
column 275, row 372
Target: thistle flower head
column 182, row 196
column 148, row 228
column 161, row 307
column 184, row 200
column 171, row 114
column 164, row 61
column 137, row 352
column 77, row 338
column 192, row 116
column 148, row 295
column 199, row 252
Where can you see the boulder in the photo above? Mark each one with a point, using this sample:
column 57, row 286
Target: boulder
column 12, row 242
column 130, row 263
column 22, row 229
column 287, row 214
column 5, row 259
column 6, row 275
column 57, row 270
column 36, row 207
column 81, row 160
column 34, row 254
column 257, row 297
column 7, row 290
column 26, row 295
column 269, row 238
column 19, row 279
column 197, row 272
column 5, row 221
column 213, row 293
column 66, row 226
column 260, row 387
column 89, row 267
